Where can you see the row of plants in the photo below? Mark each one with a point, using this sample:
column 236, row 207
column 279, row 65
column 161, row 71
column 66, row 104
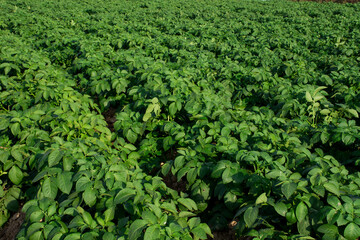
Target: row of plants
column 171, row 126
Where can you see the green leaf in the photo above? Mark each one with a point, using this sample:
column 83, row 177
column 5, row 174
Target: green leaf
column 36, row 236
column 188, row 203
column 304, row 227
column 328, row 229
column 218, row 170
column 191, row 175
column 281, row 208
column 193, row 222
column 353, row 112
column 73, row 236
column 324, row 137
column 64, row 182
column 16, row 175
column 149, row 217
column 55, row 157
column 288, row 189
column 186, row 214
column 301, row 211
column 36, row 216
column 49, row 189
column 131, row 136
column 147, row 116
column 152, row 232
column 261, row 199
column 334, row 202
column 4, row 123
column 308, row 97
column 89, row 196
column 124, row 195
column 108, row 236
column 15, row 129
column 136, row 228
column 352, row 231
column 333, row 188
column 109, row 214
column 16, row 154
column 172, row 108
column 169, row 207
column 33, row 228
column 250, row 216
column 199, row 233
column 325, row 112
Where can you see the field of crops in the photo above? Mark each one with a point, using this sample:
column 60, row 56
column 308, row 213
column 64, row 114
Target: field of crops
column 180, row 119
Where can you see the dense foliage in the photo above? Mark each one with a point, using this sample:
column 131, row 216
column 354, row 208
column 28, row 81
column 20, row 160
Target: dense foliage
column 251, row 106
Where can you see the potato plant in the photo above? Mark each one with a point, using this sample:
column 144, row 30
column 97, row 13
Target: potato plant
column 173, row 119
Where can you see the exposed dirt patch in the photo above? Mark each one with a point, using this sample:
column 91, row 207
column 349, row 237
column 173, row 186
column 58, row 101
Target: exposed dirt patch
column 170, row 154
column 110, row 118
column 13, row 225
column 171, row 182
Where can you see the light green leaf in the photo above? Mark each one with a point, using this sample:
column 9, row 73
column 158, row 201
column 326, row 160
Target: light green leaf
column 149, row 217
column 49, row 189
column 333, row 188
column 301, row 211
column 328, row 229
column 261, row 199
column 169, row 207
column 199, row 233
column 172, row 108
column 250, row 216
column 89, row 196
column 186, row 214
column 15, row 153
column 16, row 175
column 188, row 203
column 4, row 123
column 353, row 112
column 64, row 182
column 334, row 202
column 308, row 97
column 109, row 214
column 131, row 136
column 352, row 231
column 152, row 232
column 15, row 129
column 325, row 111
column 281, row 208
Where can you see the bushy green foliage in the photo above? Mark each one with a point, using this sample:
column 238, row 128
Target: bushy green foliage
column 254, row 107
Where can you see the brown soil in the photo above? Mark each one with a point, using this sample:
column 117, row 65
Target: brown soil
column 171, row 182
column 110, row 118
column 13, row 225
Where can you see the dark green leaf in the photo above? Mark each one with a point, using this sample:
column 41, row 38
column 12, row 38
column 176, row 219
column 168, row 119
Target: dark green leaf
column 124, row 195
column 136, row 228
